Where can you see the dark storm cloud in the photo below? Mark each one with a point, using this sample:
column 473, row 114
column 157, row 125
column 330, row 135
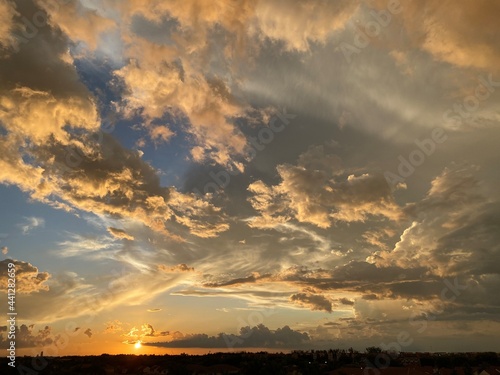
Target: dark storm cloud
column 256, row 337
column 28, row 337
column 312, row 301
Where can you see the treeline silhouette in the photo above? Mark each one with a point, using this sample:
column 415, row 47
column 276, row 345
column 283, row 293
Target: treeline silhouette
column 296, row 362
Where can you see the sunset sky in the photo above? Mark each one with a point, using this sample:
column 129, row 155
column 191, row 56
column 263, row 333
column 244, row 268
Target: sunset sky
column 225, row 175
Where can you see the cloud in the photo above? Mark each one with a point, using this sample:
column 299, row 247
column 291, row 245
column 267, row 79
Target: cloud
column 178, row 268
column 312, row 301
column 50, row 109
column 453, row 230
column 160, row 133
column 7, row 13
column 120, row 233
column 194, row 70
column 5, row 250
column 253, row 278
column 346, row 301
column 154, row 88
column 113, row 327
column 120, row 183
column 322, row 195
column 259, row 337
column 88, row 332
column 31, row 223
column 447, row 38
column 26, row 337
column 299, row 24
column 77, row 21
column 136, row 281
column 91, row 246
column 153, row 310
column 138, row 334
column 28, row 278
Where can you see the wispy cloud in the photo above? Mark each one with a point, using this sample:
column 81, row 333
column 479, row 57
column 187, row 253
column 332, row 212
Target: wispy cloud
column 31, row 223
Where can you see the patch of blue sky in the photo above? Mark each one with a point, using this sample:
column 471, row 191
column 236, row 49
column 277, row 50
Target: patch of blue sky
column 34, row 245
column 170, row 158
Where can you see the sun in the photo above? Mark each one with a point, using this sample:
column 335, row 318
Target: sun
column 138, row 345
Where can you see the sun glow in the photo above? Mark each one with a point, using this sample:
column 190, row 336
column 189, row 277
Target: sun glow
column 138, row 345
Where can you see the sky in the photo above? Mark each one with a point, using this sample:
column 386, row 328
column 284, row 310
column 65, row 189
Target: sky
column 195, row 176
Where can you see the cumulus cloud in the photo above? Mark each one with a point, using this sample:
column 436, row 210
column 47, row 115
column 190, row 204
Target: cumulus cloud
column 5, row 250
column 145, row 330
column 301, row 24
column 28, row 278
column 174, row 74
column 69, row 163
column 77, row 21
column 453, row 231
column 122, row 184
column 464, row 38
column 314, row 302
column 154, row 88
column 259, row 337
column 160, row 133
column 321, row 196
column 28, row 337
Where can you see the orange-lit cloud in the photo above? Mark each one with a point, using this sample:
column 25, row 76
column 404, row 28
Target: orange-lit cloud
column 28, row 278
column 178, row 268
column 120, row 233
column 321, row 196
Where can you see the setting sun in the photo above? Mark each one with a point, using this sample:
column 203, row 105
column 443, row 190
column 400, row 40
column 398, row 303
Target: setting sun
column 138, row 345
